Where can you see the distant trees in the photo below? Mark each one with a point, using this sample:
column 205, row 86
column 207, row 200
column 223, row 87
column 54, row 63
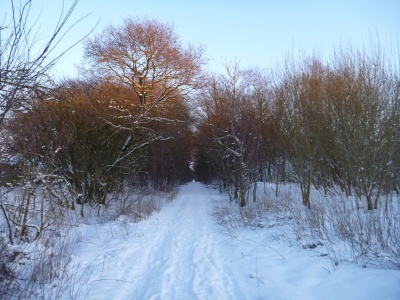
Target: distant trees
column 126, row 119
column 69, row 133
column 341, row 123
column 300, row 95
column 234, row 128
column 364, row 103
column 167, row 161
column 128, row 124
column 78, row 132
column 327, row 124
column 146, row 57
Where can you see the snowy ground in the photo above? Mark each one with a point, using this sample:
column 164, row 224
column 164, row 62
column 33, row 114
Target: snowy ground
column 181, row 253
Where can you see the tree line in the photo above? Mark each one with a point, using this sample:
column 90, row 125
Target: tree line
column 143, row 109
column 124, row 121
column 330, row 125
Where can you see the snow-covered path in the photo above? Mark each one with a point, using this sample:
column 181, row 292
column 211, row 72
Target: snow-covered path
column 180, row 260
column 180, row 253
column 177, row 257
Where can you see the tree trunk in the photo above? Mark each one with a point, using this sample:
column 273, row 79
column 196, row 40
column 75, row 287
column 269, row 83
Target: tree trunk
column 348, row 191
column 8, row 224
column 306, row 198
column 306, row 193
column 243, row 200
column 369, row 202
column 277, row 183
column 24, row 228
column 255, row 189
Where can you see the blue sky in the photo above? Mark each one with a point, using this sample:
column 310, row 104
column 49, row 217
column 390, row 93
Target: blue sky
column 254, row 32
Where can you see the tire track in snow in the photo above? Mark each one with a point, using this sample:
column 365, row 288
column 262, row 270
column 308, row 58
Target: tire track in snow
column 178, row 257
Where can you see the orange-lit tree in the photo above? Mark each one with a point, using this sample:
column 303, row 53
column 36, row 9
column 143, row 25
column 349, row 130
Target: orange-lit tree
column 234, row 131
column 147, row 56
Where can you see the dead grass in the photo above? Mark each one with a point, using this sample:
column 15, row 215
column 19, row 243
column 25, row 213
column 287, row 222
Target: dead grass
column 346, row 232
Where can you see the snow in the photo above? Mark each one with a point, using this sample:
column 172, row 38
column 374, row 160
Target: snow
column 181, row 252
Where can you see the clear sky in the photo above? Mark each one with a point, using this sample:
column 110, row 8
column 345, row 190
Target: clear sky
column 253, row 32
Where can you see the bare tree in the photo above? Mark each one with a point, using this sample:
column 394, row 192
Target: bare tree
column 24, row 61
column 300, row 95
column 147, row 56
column 340, row 123
column 26, row 57
column 364, row 101
column 234, row 110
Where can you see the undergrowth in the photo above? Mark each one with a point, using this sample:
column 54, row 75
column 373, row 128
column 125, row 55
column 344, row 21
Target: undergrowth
column 38, row 237
column 348, row 232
